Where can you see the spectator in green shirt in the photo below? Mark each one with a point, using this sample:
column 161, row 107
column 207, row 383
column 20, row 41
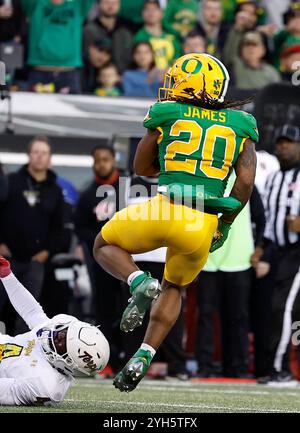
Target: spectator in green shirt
column 180, row 16
column 55, row 42
column 290, row 35
column 290, row 64
column 165, row 45
column 131, row 11
column 229, row 9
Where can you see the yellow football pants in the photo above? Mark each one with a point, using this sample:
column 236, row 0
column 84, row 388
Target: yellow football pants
column 187, row 233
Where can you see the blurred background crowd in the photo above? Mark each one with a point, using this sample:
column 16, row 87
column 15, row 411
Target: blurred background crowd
column 123, row 47
column 237, row 317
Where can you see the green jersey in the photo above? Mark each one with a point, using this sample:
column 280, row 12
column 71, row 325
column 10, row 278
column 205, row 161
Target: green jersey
column 181, row 16
column 166, row 47
column 283, row 40
column 199, row 146
column 55, row 32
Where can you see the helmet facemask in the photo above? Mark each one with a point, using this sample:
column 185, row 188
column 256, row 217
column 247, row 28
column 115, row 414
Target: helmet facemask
column 61, row 362
column 165, row 92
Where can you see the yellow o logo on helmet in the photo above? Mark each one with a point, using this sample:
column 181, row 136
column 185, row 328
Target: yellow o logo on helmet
column 195, row 75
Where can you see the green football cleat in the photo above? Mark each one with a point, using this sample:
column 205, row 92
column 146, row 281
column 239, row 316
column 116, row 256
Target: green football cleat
column 143, row 294
column 133, row 372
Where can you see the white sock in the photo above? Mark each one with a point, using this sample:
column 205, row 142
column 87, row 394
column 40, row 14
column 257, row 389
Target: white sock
column 145, row 346
column 132, row 276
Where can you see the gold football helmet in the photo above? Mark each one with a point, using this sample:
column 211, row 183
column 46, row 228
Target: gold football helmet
column 195, row 76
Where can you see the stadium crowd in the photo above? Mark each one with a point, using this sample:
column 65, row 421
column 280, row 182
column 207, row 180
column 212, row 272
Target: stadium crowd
column 123, row 47
column 114, row 48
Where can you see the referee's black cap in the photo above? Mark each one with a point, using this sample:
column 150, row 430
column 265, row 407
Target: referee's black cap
column 290, row 132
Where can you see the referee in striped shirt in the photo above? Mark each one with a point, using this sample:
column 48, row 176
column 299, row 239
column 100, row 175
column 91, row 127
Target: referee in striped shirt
column 282, row 235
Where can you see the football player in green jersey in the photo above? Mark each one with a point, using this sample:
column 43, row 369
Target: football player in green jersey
column 194, row 138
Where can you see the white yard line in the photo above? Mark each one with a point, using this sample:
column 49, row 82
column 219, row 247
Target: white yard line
column 194, row 389
column 226, row 391
column 180, row 406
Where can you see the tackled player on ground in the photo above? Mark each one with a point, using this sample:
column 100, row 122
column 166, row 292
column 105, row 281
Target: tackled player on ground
column 38, row 367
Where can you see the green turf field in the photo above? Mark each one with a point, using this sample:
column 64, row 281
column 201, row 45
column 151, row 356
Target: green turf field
column 90, row 395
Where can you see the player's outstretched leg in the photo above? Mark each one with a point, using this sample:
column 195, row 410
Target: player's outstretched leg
column 143, row 288
column 163, row 315
column 134, row 371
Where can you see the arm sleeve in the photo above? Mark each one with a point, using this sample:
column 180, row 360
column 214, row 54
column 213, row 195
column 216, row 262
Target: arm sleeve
column 159, row 114
column 23, row 302
column 250, row 127
column 18, row 392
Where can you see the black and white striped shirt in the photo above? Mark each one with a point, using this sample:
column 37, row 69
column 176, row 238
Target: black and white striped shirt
column 282, row 198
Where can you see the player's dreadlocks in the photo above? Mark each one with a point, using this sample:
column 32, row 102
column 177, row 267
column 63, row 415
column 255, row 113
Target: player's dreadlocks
column 209, row 104
column 203, row 100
